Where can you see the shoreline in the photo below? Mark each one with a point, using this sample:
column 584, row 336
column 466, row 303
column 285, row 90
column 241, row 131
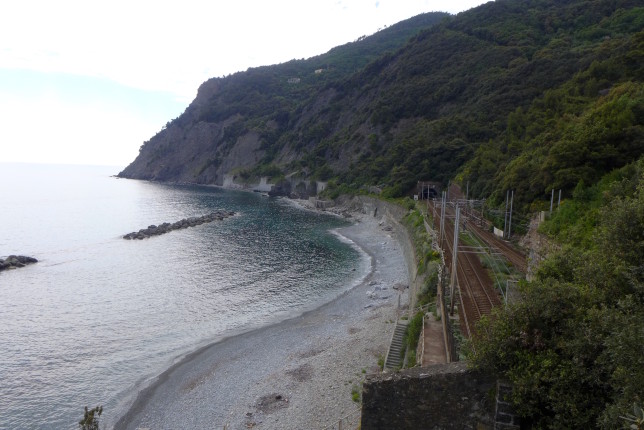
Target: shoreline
column 298, row 373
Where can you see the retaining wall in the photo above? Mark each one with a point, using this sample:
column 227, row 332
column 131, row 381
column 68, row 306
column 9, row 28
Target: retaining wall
column 393, row 214
column 444, row 396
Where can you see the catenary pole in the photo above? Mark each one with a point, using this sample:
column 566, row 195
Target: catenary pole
column 505, row 217
column 510, row 222
column 453, row 277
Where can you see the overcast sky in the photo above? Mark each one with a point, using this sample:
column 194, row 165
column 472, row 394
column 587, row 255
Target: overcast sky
column 87, row 82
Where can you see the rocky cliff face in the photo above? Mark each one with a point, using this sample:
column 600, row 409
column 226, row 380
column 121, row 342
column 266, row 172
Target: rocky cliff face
column 270, row 116
column 191, row 150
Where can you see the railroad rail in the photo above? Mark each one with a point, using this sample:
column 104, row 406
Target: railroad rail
column 477, row 294
column 513, row 255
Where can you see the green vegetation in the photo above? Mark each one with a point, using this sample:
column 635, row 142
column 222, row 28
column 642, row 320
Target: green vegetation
column 636, row 419
column 412, row 336
column 271, row 171
column 528, row 95
column 573, row 346
column 355, row 393
column 427, row 261
column 427, row 293
column 499, row 269
column 90, row 418
column 426, row 258
column 480, row 89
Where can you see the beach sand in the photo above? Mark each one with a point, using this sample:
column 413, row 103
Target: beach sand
column 297, row 374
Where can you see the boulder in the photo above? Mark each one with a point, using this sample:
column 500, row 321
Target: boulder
column 16, row 261
column 166, row 227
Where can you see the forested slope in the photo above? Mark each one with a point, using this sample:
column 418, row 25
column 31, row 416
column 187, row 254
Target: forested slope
column 528, row 95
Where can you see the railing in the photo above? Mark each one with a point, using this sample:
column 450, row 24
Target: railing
column 348, row 422
column 451, row 353
column 420, row 350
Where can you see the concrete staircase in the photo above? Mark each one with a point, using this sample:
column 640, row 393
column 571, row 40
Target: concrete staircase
column 394, row 354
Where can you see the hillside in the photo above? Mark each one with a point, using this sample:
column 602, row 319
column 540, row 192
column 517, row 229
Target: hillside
column 499, row 93
column 523, row 95
column 245, row 119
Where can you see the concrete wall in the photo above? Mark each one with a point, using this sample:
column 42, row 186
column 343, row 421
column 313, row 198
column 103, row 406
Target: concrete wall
column 445, row 396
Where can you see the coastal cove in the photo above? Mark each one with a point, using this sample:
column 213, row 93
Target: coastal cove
column 298, row 373
column 99, row 317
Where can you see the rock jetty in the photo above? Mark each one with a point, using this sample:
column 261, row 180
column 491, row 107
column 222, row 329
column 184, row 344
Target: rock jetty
column 15, row 261
column 166, row 227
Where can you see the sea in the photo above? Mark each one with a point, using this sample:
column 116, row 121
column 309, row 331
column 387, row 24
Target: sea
column 99, row 317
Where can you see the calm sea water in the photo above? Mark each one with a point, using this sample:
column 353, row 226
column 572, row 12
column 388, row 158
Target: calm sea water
column 99, row 316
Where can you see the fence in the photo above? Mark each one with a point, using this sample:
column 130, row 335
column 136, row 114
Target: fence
column 441, row 307
column 348, row 422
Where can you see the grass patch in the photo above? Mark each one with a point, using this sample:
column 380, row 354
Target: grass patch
column 427, row 293
column 499, row 269
column 422, row 241
column 412, row 335
column 355, row 393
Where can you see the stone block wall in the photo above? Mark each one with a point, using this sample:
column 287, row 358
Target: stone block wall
column 504, row 416
column 445, row 396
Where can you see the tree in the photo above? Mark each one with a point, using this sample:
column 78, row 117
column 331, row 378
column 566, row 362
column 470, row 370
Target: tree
column 573, row 346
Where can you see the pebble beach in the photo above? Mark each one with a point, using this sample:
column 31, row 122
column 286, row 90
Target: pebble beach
column 301, row 373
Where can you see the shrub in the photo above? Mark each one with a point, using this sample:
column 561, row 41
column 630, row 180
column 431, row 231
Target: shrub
column 414, row 328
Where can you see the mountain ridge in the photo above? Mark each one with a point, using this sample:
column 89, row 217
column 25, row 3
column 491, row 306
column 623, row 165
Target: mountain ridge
column 439, row 105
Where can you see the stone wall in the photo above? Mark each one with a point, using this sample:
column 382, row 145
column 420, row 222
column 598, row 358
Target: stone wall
column 445, row 396
column 537, row 244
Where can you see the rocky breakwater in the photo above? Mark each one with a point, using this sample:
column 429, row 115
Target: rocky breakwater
column 15, row 261
column 166, row 227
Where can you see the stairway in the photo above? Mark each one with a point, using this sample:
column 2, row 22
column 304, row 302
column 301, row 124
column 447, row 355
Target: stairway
column 394, row 355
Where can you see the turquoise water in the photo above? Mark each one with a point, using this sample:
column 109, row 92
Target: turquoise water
column 98, row 316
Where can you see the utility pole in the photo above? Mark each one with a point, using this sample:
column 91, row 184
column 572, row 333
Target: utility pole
column 552, row 198
column 559, row 201
column 443, row 204
column 510, row 223
column 482, row 212
column 468, row 210
column 505, row 219
column 453, row 278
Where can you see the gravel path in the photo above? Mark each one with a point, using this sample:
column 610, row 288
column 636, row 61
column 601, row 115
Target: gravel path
column 298, row 374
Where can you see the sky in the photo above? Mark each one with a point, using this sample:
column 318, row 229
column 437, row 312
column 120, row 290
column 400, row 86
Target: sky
column 88, row 82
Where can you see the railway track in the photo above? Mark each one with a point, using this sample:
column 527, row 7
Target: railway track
column 477, row 294
column 513, row 255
